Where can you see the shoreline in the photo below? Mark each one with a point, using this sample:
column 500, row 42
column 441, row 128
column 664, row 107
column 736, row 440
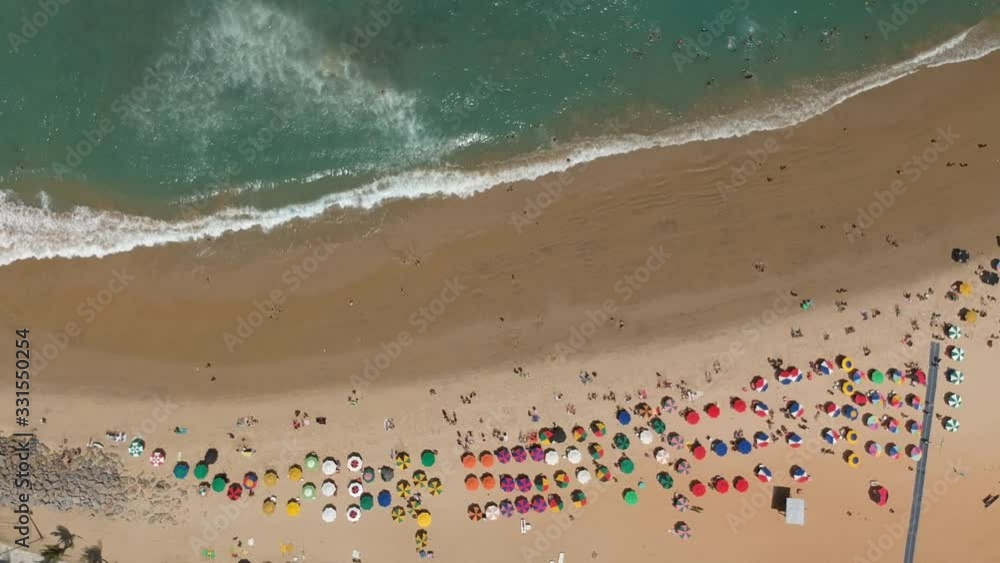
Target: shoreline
column 206, row 218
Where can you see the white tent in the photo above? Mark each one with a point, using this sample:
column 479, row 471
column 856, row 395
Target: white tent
column 795, row 511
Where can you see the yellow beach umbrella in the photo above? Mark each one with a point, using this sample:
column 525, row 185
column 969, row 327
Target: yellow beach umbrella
column 847, row 364
column 965, row 288
column 293, row 508
column 271, row 478
column 853, row 460
column 850, row 435
column 403, row 460
column 398, row 514
column 295, row 473
column 420, row 478
column 268, row 507
column 421, row 538
column 424, row 519
column 434, row 486
column 847, row 388
column 403, row 488
column 970, row 316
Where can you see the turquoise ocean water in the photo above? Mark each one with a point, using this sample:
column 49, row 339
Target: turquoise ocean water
column 133, row 123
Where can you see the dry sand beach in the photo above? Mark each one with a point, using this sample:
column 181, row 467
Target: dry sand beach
column 410, row 308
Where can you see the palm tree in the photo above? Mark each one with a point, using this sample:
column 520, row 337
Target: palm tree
column 93, row 554
column 52, row 553
column 64, row 537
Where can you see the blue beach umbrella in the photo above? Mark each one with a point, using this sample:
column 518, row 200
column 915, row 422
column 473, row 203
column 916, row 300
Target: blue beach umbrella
column 743, row 446
column 720, row 448
column 623, row 417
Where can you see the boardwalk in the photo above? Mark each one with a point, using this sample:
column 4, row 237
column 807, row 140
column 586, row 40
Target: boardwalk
column 925, row 440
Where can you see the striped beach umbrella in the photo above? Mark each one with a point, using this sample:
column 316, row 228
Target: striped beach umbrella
column 523, row 483
column 758, row 384
column 136, row 447
column 522, row 505
column 536, row 453
column 873, row 448
column 661, row 455
column 831, row 409
column 475, row 512
column 824, row 367
column 555, row 503
column 680, row 502
column 621, row 441
column 676, row 440
column 603, row 473
column 506, row 508
column 955, row 376
column 541, row 482
column 950, row 424
column 668, row 405
column 682, row 466
column 890, row 424
column 914, row 452
column 895, row 375
column 870, row 421
column 402, row 488
column 830, row 436
column 800, row 475
column 855, row 376
column 682, row 530
column 598, row 428
column 503, row 455
column 579, row 433
column 894, row 400
column 957, row 354
column 434, row 486
column 158, row 457
column 507, row 484
column 760, row 409
column 795, row 409
column 545, row 437
column 561, row 479
column 763, row 473
column 538, row 504
column 403, row 460
column 398, row 514
column 519, row 454
column 596, row 450
column 579, row 498
column 785, row 377
column 874, row 397
column 892, row 450
column 793, row 440
column 913, row 427
column 761, row 439
column 954, row 400
column 665, row 480
column 657, row 425
column 954, row 332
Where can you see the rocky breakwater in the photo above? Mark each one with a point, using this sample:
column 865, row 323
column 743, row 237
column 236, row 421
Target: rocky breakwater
column 91, row 481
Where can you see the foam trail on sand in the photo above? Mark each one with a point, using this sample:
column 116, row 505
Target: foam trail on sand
column 32, row 232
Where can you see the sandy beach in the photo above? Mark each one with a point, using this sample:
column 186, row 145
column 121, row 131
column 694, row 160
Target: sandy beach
column 684, row 266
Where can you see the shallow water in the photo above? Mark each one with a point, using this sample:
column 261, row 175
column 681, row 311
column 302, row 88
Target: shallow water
column 202, row 117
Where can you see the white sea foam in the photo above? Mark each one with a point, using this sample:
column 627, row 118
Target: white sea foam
column 31, row 232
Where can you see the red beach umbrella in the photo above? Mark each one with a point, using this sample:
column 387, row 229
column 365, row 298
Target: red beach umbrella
column 741, row 484
column 738, row 404
column 698, row 488
column 713, row 410
column 721, row 485
column 692, row 416
column 698, row 451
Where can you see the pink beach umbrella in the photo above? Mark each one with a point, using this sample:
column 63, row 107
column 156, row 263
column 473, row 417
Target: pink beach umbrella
column 158, row 457
column 873, row 448
column 668, row 405
column 682, row 466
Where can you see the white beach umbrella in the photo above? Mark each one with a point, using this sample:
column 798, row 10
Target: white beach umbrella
column 662, row 456
column 329, row 466
column 355, row 488
column 329, row 513
column 573, row 455
column 353, row 513
column 552, row 457
column 355, row 463
column 583, row 476
column 646, row 436
column 492, row 512
column 329, row 488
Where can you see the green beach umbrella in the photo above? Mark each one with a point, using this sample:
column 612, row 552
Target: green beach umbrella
column 136, row 448
column 626, row 465
column 950, row 424
column 621, row 441
column 631, row 497
column 665, row 480
column 954, row 400
column 200, row 471
column 427, row 458
column 955, row 376
column 181, row 470
column 954, row 332
column 877, row 377
column 368, row 474
column 309, row 491
column 957, row 354
column 366, row 501
column 312, row 462
column 219, row 483
column 658, row 425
